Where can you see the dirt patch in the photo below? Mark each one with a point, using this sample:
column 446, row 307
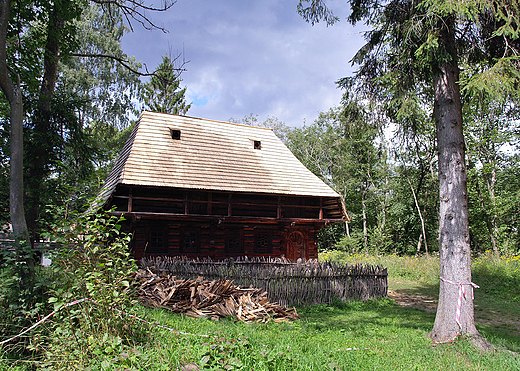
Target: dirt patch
column 414, row 301
column 429, row 304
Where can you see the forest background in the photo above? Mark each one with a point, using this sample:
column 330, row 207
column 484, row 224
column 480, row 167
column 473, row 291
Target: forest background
column 380, row 157
column 71, row 98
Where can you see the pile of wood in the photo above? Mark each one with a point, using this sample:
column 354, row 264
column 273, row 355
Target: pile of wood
column 204, row 298
column 288, row 283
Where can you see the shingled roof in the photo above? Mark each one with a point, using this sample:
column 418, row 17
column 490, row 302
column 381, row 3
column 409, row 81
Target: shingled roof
column 210, row 155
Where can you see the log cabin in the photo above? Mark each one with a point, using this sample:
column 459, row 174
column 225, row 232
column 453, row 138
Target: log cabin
column 202, row 188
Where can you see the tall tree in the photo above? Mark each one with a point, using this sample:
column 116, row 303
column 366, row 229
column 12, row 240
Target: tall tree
column 11, row 87
column 341, row 147
column 417, row 46
column 492, row 133
column 163, row 93
column 35, row 36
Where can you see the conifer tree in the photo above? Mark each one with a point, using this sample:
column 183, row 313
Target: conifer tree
column 162, row 93
column 414, row 49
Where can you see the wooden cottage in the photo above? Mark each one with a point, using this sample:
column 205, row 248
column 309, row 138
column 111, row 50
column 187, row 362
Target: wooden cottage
column 202, row 188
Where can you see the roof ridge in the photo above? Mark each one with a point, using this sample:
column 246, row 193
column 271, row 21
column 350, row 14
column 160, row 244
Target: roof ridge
column 198, row 118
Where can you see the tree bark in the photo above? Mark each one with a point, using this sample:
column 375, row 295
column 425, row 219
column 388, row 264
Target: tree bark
column 13, row 92
column 41, row 147
column 454, row 247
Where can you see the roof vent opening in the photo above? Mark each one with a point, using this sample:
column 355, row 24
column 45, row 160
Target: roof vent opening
column 176, row 134
column 257, row 144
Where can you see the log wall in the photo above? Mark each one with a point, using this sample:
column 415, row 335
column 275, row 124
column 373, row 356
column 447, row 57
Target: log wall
column 209, row 239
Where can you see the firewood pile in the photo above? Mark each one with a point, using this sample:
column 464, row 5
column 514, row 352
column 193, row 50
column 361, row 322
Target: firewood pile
column 288, row 283
column 204, row 298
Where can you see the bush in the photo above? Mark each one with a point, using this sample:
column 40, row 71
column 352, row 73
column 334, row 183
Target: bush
column 96, row 265
column 23, row 292
column 498, row 276
column 351, row 244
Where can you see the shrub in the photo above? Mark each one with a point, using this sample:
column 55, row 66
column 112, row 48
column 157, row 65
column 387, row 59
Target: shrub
column 96, row 264
column 498, row 276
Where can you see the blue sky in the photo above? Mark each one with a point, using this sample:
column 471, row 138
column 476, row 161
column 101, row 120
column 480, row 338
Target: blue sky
column 255, row 57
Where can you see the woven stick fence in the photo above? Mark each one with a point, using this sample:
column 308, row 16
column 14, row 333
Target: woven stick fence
column 286, row 282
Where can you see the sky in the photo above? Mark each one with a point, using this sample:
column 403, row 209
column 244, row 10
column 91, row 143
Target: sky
column 251, row 57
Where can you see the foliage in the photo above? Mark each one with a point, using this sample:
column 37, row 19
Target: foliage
column 407, row 46
column 22, row 296
column 97, row 263
column 349, row 335
column 162, row 93
column 279, row 127
column 72, row 79
column 94, row 263
column 344, row 147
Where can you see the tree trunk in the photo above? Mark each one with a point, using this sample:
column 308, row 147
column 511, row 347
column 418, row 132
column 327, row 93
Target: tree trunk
column 455, row 313
column 491, row 182
column 347, row 229
column 25, row 261
column 423, row 226
column 455, row 264
column 12, row 91
column 364, row 209
column 41, row 145
column 419, row 244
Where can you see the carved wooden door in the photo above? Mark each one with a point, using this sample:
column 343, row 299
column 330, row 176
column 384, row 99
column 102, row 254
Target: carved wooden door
column 295, row 246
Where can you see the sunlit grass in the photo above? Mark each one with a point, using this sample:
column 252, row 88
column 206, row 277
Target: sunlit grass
column 497, row 276
column 422, row 269
column 373, row 335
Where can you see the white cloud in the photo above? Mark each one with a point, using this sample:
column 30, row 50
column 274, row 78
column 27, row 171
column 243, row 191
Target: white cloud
column 252, row 57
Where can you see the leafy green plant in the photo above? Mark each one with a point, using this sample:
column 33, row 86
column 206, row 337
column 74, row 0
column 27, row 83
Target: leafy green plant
column 95, row 264
column 23, row 291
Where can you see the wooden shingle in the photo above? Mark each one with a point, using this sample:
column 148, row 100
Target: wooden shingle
column 210, row 155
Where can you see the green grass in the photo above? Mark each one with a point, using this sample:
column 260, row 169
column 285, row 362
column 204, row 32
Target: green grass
column 375, row 335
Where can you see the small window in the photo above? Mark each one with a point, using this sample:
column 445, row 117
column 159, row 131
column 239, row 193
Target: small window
column 190, row 241
column 157, row 241
column 257, row 144
column 235, row 240
column 176, row 134
column 263, row 241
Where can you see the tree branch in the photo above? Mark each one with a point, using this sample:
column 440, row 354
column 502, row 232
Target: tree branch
column 135, row 9
column 123, row 62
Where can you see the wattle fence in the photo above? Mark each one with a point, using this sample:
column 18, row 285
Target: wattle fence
column 286, row 282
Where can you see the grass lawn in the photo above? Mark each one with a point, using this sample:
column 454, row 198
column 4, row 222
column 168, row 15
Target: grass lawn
column 375, row 335
column 497, row 319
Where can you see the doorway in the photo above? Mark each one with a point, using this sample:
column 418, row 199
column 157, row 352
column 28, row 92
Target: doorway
column 296, row 246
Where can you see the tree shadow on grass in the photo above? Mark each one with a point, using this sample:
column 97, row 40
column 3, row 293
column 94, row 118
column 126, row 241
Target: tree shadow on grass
column 496, row 320
column 357, row 317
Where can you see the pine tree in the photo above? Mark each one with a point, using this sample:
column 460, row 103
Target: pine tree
column 162, row 92
column 414, row 49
